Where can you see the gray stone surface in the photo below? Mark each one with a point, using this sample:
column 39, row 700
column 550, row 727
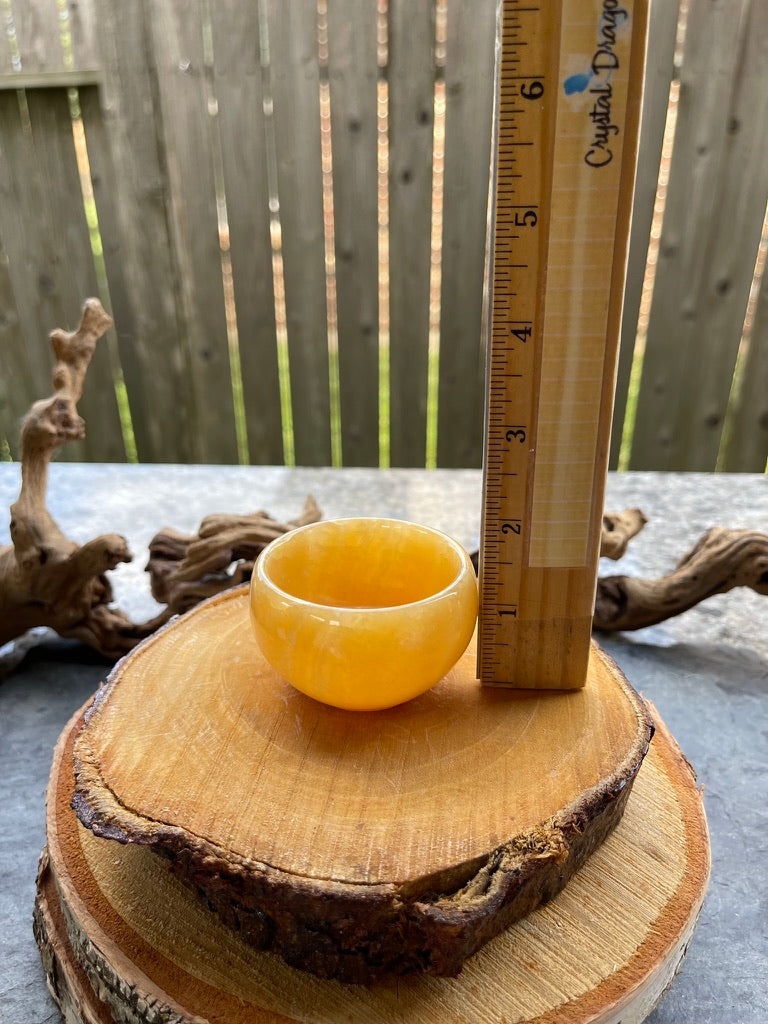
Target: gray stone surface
column 707, row 672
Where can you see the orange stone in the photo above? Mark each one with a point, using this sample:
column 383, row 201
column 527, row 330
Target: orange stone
column 363, row 614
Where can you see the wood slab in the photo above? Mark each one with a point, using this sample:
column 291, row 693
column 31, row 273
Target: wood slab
column 602, row 952
column 354, row 844
column 67, row 981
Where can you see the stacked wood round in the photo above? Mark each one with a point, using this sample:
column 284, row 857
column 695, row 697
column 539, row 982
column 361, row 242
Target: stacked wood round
column 460, row 811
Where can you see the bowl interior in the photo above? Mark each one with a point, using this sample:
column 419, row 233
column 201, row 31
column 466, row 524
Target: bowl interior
column 362, row 563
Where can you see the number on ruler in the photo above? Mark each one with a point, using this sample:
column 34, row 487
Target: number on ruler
column 534, row 91
column 516, row 433
column 521, row 333
column 510, row 610
column 529, row 219
column 512, row 526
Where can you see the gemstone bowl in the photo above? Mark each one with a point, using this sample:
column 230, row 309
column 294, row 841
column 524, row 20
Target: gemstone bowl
column 364, row 613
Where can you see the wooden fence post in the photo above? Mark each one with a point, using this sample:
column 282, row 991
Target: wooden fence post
column 353, row 81
column 295, row 88
column 712, row 223
column 659, row 72
column 238, row 82
column 469, row 89
column 747, row 445
column 411, row 76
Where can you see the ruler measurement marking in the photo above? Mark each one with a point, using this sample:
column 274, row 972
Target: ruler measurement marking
column 555, row 231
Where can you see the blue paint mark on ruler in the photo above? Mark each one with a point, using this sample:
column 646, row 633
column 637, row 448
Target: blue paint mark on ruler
column 577, row 83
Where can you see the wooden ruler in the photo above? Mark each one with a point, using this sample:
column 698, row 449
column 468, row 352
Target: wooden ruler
column 570, row 76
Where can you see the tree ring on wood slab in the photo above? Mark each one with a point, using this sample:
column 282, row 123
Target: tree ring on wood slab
column 122, row 939
column 356, row 845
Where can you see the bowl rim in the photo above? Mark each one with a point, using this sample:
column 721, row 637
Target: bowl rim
column 465, row 567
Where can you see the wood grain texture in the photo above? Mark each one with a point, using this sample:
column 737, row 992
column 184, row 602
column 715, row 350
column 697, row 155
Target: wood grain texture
column 15, row 382
column 82, row 23
column 65, row 240
column 354, row 844
column 602, row 952
column 66, row 979
column 32, row 53
column 130, row 186
column 550, row 402
column 352, row 80
column 239, row 95
column 51, row 270
column 38, row 36
column 294, row 77
column 185, row 123
column 659, row 72
column 38, row 27
column 469, row 89
column 411, row 77
column 26, row 351
column 714, row 214
column 30, row 277
column 6, row 56
column 746, row 449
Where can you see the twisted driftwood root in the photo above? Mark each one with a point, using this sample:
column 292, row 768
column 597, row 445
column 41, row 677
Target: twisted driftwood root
column 618, row 530
column 185, row 570
column 719, row 561
column 48, row 580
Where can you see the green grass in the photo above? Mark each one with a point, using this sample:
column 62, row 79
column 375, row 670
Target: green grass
column 238, row 402
column 630, row 411
column 334, row 394
column 433, row 386
column 384, row 413
column 286, row 411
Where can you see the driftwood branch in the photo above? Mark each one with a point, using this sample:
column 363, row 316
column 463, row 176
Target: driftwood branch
column 48, row 580
column 721, row 560
column 618, row 530
column 185, row 570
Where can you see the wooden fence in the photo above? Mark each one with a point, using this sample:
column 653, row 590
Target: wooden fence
column 284, row 204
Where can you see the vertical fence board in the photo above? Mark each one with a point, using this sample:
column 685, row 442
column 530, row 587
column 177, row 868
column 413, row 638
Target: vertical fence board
column 469, row 80
column 352, row 73
column 738, row 220
column 747, row 448
column 177, row 43
column 27, row 359
column 712, row 223
column 6, row 57
column 240, row 99
column 659, row 71
column 15, row 383
column 51, row 265
column 38, row 25
column 66, row 238
column 130, row 189
column 38, row 36
column 295, row 85
column 147, row 419
column 83, row 18
column 411, row 74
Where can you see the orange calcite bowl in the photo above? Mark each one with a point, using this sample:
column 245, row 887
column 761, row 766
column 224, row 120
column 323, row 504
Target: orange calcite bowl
column 363, row 614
